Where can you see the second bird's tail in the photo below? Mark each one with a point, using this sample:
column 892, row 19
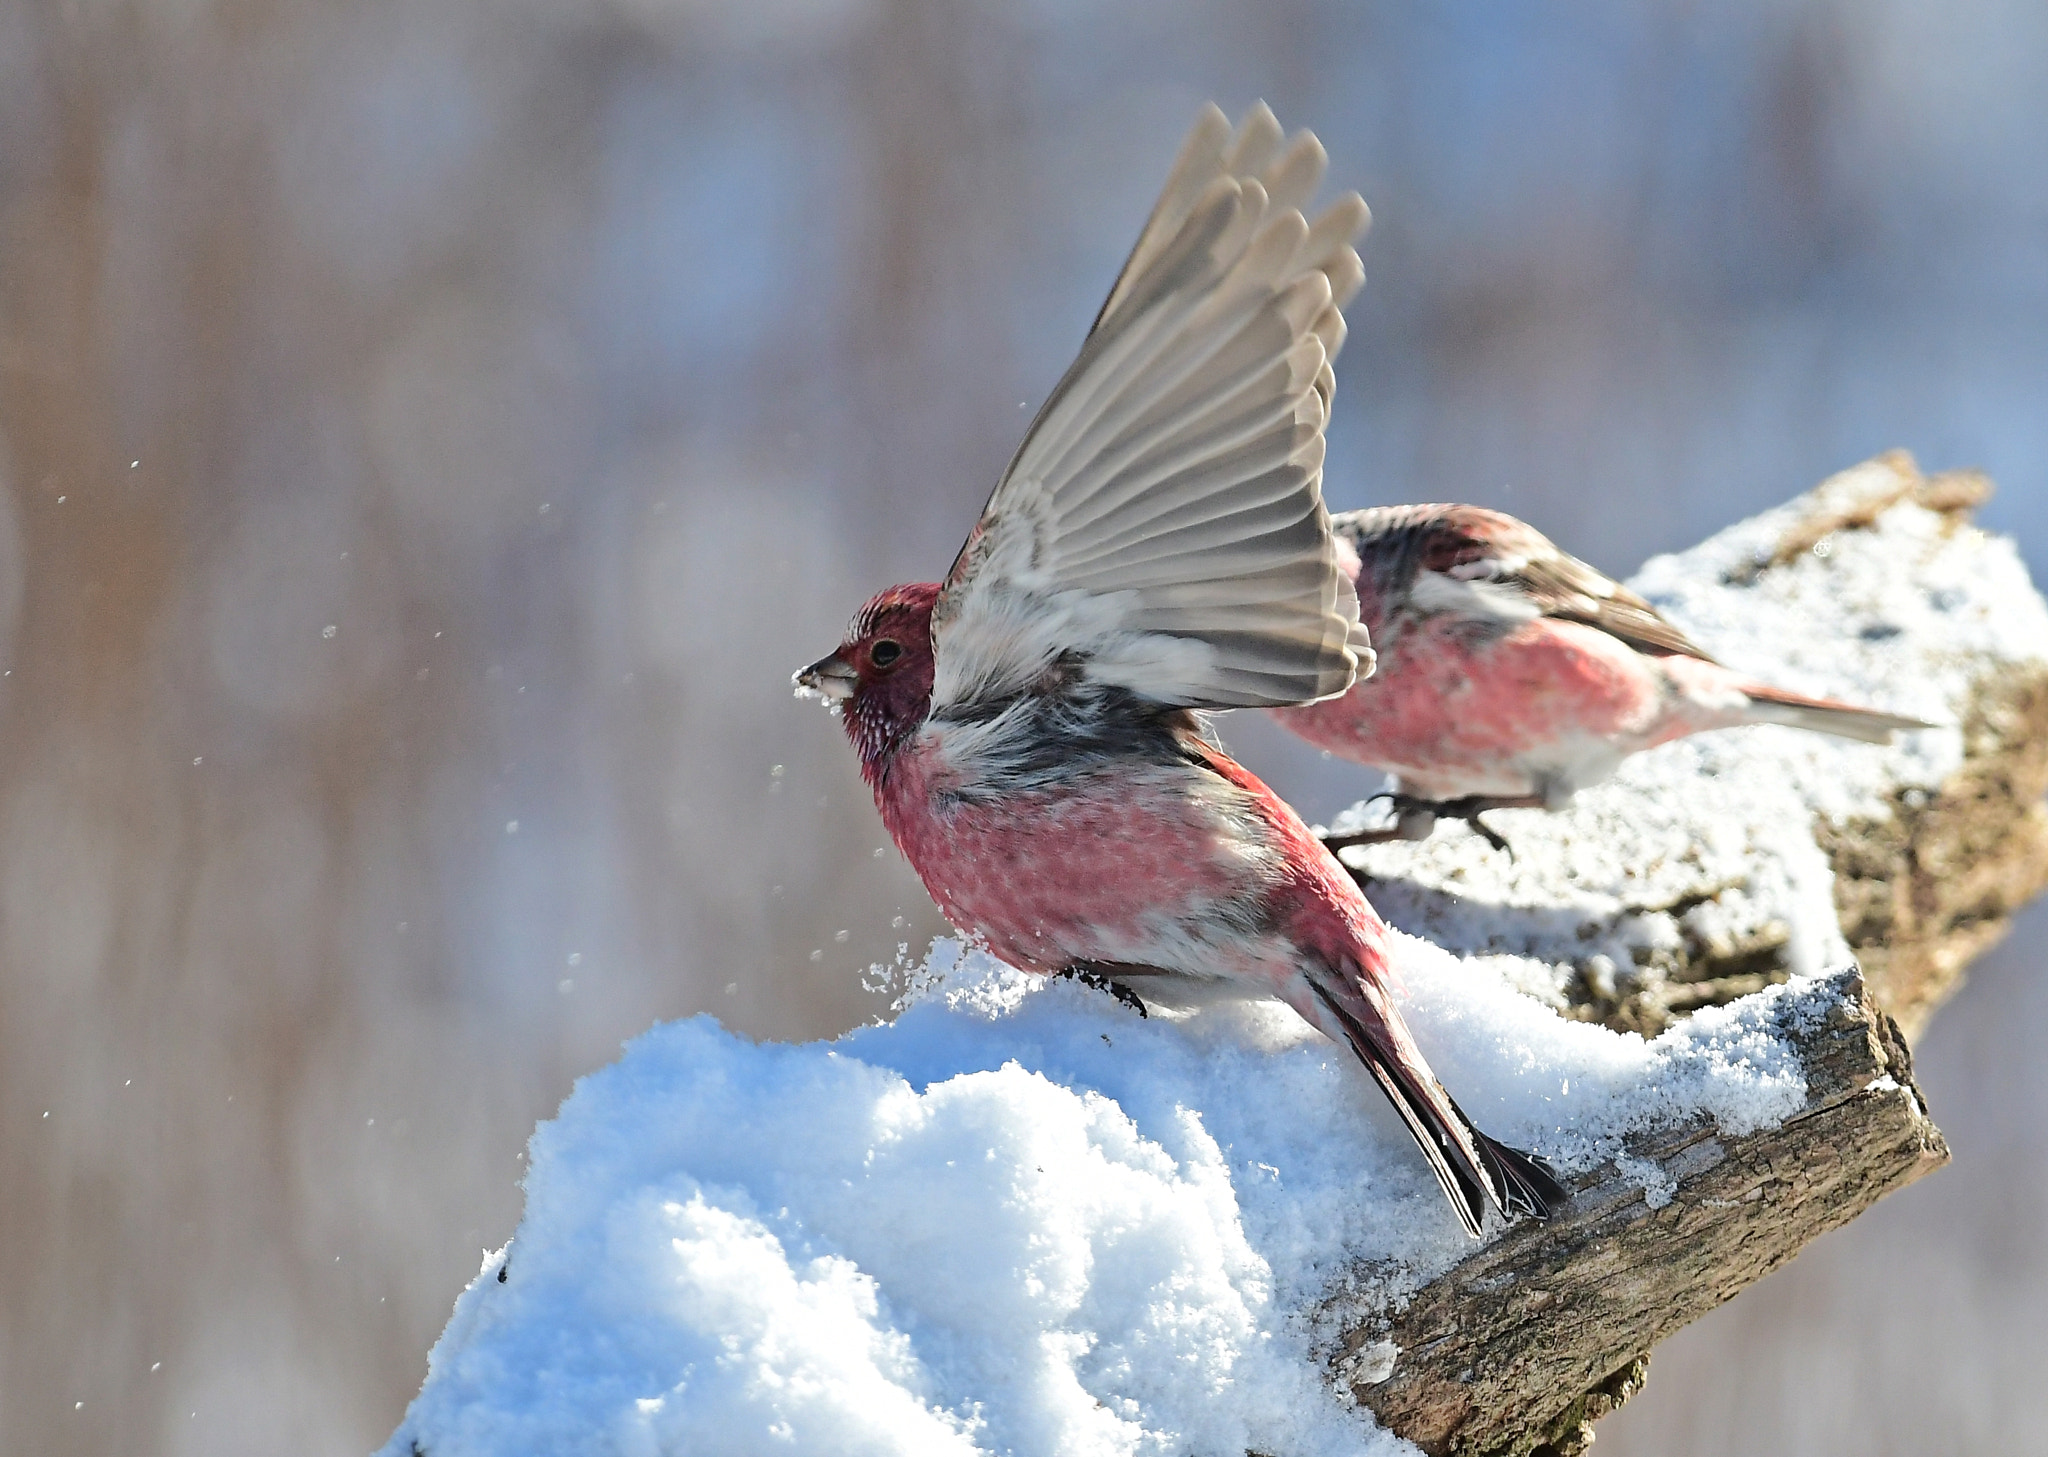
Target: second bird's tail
column 1824, row 715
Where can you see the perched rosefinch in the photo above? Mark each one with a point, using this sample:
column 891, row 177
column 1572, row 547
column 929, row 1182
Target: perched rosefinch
column 1512, row 676
column 1031, row 727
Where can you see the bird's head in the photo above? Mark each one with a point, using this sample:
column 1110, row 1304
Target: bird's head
column 880, row 679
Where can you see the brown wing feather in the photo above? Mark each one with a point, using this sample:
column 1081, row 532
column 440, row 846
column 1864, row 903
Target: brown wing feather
column 1566, row 587
column 1472, row 543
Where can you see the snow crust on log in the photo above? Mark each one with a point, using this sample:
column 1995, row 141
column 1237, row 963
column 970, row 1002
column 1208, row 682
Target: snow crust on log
column 1695, row 873
column 1019, row 1218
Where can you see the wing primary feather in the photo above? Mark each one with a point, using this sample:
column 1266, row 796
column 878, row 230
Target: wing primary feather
column 1229, row 590
column 1271, row 251
column 1170, row 487
column 1346, row 275
column 1336, row 230
column 1180, row 484
column 1261, row 469
column 1199, row 161
column 1234, row 356
column 1226, row 337
column 1332, row 330
column 1258, row 137
column 1105, row 358
column 1239, row 526
column 1275, row 462
column 1291, row 179
column 1326, row 384
column 1179, row 431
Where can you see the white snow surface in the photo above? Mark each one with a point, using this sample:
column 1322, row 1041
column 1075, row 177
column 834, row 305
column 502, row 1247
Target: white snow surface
column 1904, row 615
column 1017, row 1219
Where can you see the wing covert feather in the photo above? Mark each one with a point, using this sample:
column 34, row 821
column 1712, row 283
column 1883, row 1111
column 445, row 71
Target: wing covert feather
column 1472, row 544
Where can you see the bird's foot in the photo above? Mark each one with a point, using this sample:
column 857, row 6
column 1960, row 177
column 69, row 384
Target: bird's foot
column 1089, row 977
column 1472, row 806
column 1489, row 834
column 1415, row 819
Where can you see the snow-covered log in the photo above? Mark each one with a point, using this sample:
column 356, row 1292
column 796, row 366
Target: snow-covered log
column 1019, row 1218
column 1524, row 1345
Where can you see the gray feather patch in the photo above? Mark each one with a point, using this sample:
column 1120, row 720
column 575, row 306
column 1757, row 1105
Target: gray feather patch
column 1162, row 524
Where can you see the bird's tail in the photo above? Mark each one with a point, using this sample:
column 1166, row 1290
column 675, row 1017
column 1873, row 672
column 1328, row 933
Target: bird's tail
column 1824, row 715
column 1526, row 1183
column 1474, row 1170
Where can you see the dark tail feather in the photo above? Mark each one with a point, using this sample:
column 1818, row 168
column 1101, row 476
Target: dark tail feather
column 1517, row 1182
column 1824, row 715
column 1465, row 1185
column 1526, row 1183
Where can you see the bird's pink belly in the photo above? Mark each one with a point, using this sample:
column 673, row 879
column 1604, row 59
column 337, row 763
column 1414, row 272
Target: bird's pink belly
column 1099, row 871
column 1452, row 721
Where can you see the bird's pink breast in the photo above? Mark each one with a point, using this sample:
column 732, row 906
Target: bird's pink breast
column 1097, row 869
column 1193, row 867
column 1452, row 719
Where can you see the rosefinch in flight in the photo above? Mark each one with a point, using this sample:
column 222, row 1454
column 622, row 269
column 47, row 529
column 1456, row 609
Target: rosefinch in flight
column 1031, row 727
column 1512, row 676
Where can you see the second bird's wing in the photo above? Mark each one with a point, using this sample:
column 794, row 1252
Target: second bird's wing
column 1488, row 563
column 1162, row 528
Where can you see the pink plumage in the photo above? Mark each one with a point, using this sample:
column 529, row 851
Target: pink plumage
column 1031, row 728
column 1512, row 675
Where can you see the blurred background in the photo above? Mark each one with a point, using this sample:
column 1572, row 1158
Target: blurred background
column 431, row 432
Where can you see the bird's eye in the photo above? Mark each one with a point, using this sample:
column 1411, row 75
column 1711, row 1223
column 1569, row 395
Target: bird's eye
column 885, row 653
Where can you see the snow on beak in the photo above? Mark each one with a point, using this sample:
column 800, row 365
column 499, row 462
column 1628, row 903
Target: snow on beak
column 830, row 678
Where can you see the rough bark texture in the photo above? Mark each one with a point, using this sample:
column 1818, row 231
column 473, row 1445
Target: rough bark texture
column 1521, row 1347
column 1927, row 889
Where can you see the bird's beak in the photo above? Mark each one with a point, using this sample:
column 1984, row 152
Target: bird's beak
column 831, row 678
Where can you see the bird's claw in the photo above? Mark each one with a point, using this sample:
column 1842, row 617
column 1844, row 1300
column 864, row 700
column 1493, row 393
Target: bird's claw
column 1095, row 979
column 1489, row 834
column 1415, row 819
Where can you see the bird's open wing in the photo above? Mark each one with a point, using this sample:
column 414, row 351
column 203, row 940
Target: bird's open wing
column 1468, row 549
column 1162, row 528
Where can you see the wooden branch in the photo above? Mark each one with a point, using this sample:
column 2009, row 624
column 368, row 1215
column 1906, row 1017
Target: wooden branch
column 1519, row 1348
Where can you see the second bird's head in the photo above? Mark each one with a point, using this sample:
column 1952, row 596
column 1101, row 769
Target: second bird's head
column 880, row 679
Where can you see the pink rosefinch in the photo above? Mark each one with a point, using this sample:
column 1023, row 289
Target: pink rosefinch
column 1512, row 676
column 1031, row 727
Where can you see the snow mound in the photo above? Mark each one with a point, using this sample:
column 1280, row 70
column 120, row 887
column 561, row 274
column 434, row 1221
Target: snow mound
column 1017, row 1219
